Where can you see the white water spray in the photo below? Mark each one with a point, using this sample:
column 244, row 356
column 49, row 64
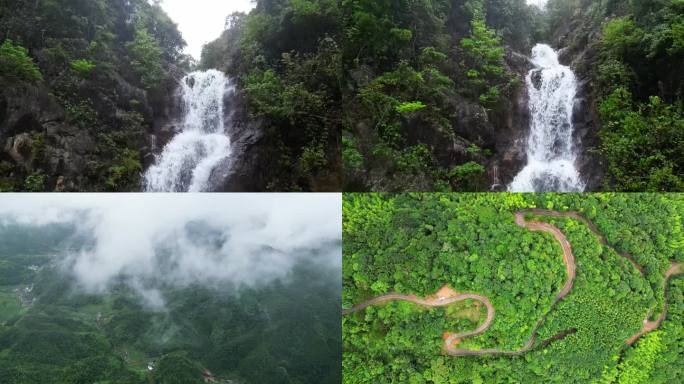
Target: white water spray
column 189, row 160
column 551, row 154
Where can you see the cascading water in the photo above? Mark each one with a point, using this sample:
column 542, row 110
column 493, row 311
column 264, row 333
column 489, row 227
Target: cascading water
column 551, row 155
column 189, row 160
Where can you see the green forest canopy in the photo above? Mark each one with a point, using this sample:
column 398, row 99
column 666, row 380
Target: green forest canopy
column 51, row 332
column 416, row 243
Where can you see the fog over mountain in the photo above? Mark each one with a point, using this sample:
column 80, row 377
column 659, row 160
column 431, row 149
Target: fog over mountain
column 179, row 240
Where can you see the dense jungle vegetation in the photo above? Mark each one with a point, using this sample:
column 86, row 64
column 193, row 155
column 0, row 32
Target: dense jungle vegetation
column 639, row 89
column 416, row 67
column 82, row 83
column 51, row 331
column 287, row 57
column 417, row 243
column 409, row 95
column 425, row 83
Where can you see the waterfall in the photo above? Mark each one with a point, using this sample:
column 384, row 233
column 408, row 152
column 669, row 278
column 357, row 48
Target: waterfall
column 551, row 154
column 191, row 158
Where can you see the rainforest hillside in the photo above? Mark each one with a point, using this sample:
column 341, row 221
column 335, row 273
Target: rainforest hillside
column 52, row 330
column 83, row 83
column 362, row 95
column 431, row 95
column 630, row 53
column 287, row 59
column 596, row 319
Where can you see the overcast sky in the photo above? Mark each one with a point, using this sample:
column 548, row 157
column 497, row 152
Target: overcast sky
column 264, row 235
column 202, row 21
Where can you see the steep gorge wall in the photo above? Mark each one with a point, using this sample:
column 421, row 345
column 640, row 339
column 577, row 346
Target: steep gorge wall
column 106, row 73
column 578, row 39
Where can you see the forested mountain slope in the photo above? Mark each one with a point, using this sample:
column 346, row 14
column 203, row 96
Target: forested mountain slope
column 286, row 56
column 630, row 55
column 435, row 92
column 82, row 84
column 358, row 94
column 52, row 330
column 413, row 244
column 436, row 96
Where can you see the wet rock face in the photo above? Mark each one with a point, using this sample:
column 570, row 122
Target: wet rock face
column 34, row 136
column 244, row 173
column 537, row 79
column 580, row 39
column 586, row 122
column 512, row 128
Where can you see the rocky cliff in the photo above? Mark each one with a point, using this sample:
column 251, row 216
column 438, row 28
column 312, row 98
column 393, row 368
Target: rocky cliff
column 82, row 85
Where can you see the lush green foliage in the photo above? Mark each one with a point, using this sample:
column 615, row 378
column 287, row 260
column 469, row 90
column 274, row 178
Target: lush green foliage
column 413, row 67
column 35, row 182
column 146, row 58
column 103, row 62
column 642, row 92
column 83, row 66
column 16, row 64
column 416, row 243
column 644, row 144
column 287, row 55
column 483, row 59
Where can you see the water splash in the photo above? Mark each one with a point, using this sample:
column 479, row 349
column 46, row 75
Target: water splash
column 190, row 159
column 551, row 154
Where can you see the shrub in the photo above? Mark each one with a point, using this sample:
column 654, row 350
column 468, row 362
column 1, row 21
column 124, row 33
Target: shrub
column 16, row 64
column 406, row 108
column 643, row 143
column 313, row 159
column 353, row 160
column 125, row 176
column 146, row 59
column 467, row 177
column 621, row 35
column 82, row 66
column 35, row 182
column 484, row 64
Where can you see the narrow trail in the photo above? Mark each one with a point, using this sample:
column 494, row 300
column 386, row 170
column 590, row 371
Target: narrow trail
column 675, row 268
column 574, row 215
column 571, row 272
column 650, row 326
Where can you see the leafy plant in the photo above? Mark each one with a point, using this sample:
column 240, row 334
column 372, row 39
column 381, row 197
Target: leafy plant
column 16, row 64
column 483, row 63
column 467, row 177
column 82, row 66
column 409, row 107
column 146, row 58
column 643, row 144
column 35, row 182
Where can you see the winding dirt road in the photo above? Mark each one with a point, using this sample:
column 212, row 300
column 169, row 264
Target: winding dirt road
column 650, row 326
column 675, row 268
column 436, row 302
column 441, row 299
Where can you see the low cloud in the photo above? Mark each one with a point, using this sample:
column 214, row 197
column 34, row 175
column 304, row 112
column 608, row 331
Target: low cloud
column 154, row 240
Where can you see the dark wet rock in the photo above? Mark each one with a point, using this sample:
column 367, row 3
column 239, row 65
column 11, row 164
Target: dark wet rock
column 580, row 37
column 31, row 111
column 512, row 128
column 537, row 79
